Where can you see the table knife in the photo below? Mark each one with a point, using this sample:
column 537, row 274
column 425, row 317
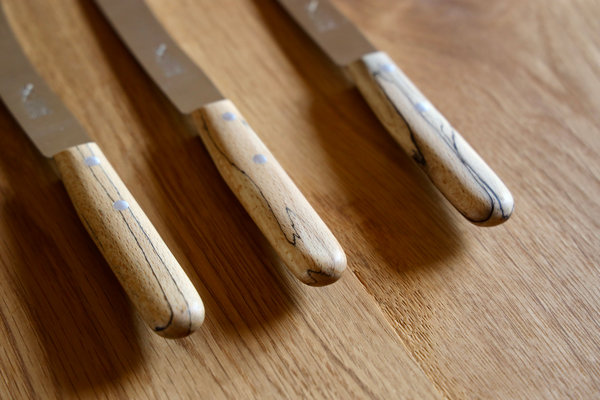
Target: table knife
column 296, row 232
column 426, row 136
column 153, row 279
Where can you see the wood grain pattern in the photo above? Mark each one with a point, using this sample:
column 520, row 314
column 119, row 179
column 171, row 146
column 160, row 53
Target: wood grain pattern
column 152, row 278
column 69, row 329
column 296, row 232
column 422, row 131
column 509, row 312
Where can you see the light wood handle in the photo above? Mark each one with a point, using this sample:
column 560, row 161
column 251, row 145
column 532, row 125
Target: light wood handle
column 282, row 213
column 452, row 165
column 148, row 271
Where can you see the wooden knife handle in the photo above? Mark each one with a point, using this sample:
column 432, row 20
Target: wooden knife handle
column 148, row 271
column 453, row 166
column 282, row 213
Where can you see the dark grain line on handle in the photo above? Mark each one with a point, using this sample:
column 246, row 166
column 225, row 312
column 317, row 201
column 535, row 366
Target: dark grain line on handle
column 157, row 329
column 295, row 235
column 451, row 143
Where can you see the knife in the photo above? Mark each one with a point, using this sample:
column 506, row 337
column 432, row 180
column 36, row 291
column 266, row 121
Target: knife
column 153, row 279
column 453, row 166
column 290, row 224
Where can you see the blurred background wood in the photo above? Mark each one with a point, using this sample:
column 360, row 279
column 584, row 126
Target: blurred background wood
column 506, row 312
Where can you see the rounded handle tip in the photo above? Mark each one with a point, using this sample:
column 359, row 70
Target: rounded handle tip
column 330, row 271
column 498, row 212
column 183, row 322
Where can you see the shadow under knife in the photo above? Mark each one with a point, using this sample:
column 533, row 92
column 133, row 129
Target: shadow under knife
column 241, row 280
column 390, row 203
column 75, row 304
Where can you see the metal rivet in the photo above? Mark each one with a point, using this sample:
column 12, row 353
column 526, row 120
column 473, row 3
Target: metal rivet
column 422, row 106
column 259, row 159
column 120, row 205
column 91, row 161
column 229, row 116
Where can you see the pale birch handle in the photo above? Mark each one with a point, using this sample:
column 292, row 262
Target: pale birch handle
column 282, row 213
column 148, row 271
column 453, row 166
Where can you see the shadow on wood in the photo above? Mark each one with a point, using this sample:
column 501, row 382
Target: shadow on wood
column 221, row 251
column 411, row 221
column 73, row 302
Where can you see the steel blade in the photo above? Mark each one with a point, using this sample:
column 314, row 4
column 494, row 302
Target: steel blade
column 171, row 69
column 41, row 114
column 333, row 32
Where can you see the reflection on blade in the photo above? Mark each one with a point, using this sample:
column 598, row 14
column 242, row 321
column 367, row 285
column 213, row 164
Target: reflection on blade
column 333, row 32
column 172, row 70
column 37, row 109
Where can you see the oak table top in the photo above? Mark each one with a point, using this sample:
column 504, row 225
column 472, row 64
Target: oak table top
column 430, row 306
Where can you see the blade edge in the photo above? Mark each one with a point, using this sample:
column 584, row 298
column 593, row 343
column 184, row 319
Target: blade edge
column 335, row 34
column 37, row 109
column 179, row 78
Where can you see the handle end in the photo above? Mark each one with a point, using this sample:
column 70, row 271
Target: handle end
column 330, row 271
column 453, row 166
column 497, row 212
column 151, row 276
column 183, row 323
column 294, row 229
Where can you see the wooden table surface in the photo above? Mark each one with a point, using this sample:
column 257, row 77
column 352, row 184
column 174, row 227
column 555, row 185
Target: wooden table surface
column 430, row 307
